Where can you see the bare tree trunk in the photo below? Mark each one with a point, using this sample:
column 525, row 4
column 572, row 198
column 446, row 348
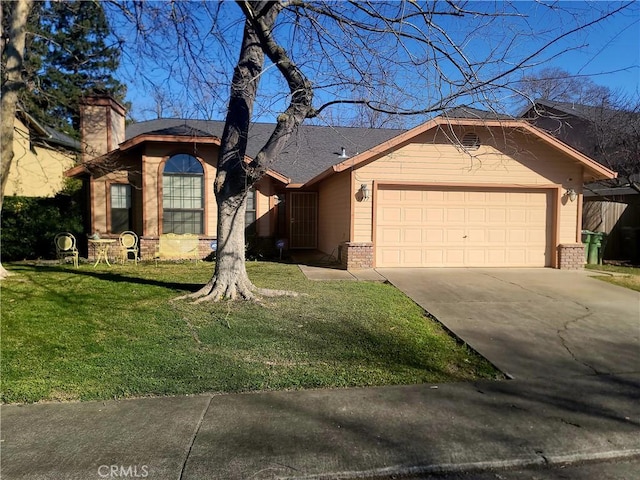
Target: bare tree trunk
column 12, row 83
column 230, row 278
column 234, row 175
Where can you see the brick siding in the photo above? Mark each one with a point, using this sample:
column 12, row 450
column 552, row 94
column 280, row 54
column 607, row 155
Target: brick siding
column 355, row 255
column 571, row 256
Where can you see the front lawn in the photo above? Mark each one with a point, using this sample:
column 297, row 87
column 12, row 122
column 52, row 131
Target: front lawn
column 111, row 332
column 630, row 277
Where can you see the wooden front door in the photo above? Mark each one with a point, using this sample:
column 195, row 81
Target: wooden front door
column 303, row 218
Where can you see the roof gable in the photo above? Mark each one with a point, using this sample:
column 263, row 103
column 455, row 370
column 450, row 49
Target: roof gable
column 591, row 166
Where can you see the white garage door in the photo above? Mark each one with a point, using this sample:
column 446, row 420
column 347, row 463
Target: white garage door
column 453, row 227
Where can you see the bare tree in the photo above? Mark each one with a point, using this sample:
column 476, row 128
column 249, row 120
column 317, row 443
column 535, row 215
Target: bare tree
column 310, row 58
column 13, row 43
column 557, row 84
column 615, row 133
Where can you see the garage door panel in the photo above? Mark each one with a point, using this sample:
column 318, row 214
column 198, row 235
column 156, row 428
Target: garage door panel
column 390, row 257
column 496, row 215
column 433, row 236
column 412, row 215
column 476, row 236
column 497, row 236
column 429, row 227
column 455, row 235
column 412, row 236
column 412, row 256
column 455, row 215
column 517, row 215
column 517, row 236
column 434, row 215
column 497, row 257
column 392, row 214
column 476, row 256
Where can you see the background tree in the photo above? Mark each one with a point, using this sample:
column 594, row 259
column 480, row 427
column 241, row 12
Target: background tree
column 313, row 57
column 70, row 52
column 559, row 85
column 615, row 133
column 13, row 35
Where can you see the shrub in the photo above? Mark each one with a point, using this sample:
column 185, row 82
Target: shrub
column 30, row 224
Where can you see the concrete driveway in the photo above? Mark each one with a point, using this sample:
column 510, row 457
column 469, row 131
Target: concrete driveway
column 532, row 323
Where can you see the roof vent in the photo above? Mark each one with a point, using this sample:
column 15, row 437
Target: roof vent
column 343, row 153
column 471, row 141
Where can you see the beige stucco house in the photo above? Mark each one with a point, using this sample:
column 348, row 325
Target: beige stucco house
column 464, row 190
column 41, row 156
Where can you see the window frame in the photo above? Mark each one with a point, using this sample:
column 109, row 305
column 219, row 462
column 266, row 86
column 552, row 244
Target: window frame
column 172, row 216
column 128, row 209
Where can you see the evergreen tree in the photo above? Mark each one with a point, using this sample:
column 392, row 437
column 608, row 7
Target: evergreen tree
column 70, row 53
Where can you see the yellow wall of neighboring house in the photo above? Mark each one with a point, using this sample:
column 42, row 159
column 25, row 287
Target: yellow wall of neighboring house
column 36, row 171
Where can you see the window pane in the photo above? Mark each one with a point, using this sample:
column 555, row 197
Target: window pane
column 120, row 220
column 120, row 208
column 250, row 214
column 181, row 221
column 182, row 164
column 183, row 195
column 120, row 196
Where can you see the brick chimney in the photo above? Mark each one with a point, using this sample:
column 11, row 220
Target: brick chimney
column 101, row 125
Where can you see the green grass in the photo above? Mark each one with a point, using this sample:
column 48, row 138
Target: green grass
column 101, row 333
column 630, row 278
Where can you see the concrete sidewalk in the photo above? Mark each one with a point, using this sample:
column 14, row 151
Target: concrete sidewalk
column 350, row 433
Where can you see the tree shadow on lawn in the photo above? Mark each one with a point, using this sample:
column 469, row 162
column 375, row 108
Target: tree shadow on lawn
column 112, row 277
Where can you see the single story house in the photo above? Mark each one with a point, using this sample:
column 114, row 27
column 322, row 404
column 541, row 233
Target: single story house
column 41, row 156
column 469, row 189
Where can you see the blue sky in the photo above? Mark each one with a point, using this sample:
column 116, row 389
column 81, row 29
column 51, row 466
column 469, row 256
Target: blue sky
column 611, row 53
column 608, row 53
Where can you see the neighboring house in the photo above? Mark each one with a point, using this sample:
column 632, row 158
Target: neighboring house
column 611, row 206
column 453, row 192
column 41, row 156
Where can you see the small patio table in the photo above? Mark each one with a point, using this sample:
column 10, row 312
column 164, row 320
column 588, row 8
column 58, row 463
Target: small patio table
column 102, row 249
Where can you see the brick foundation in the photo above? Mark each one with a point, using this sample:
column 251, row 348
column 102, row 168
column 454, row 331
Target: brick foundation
column 148, row 247
column 571, row 256
column 114, row 249
column 355, row 255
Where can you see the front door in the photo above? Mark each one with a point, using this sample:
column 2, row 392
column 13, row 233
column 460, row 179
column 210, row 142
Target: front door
column 303, row 217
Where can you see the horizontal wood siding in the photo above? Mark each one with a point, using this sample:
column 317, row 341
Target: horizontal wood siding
column 334, row 207
column 510, row 158
column 264, row 191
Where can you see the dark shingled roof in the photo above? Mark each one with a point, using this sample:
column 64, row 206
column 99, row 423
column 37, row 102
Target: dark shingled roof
column 310, row 151
column 62, row 139
column 46, row 135
column 182, row 131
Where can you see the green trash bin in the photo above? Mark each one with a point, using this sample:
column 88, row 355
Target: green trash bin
column 600, row 239
column 587, row 237
column 596, row 248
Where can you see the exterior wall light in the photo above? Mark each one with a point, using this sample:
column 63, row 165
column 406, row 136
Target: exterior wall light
column 364, row 191
column 571, row 194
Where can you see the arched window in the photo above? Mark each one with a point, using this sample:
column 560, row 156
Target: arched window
column 183, row 195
